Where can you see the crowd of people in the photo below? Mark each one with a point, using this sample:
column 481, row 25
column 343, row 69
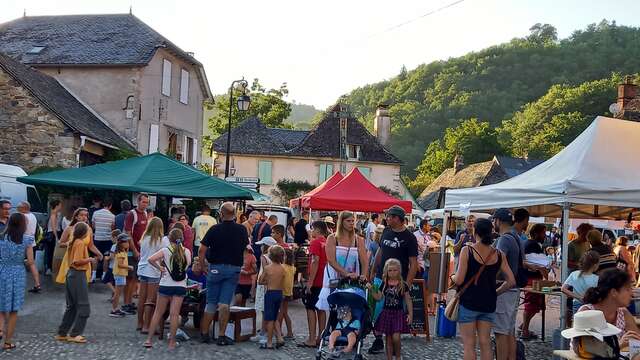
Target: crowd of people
column 249, row 258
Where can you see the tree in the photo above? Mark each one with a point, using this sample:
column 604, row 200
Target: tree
column 390, row 192
column 476, row 141
column 268, row 105
column 287, row 189
column 542, row 33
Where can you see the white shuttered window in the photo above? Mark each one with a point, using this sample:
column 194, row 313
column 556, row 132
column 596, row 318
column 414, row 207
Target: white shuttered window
column 184, row 86
column 153, row 138
column 166, row 77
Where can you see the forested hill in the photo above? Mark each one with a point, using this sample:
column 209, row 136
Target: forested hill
column 492, row 86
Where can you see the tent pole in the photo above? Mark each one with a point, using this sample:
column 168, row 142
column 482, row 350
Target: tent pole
column 443, row 245
column 564, row 272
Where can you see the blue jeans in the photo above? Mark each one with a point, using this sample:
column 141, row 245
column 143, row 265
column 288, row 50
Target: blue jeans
column 468, row 316
column 222, row 280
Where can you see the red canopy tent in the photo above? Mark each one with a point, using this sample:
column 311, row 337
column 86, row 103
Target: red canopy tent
column 356, row 193
column 304, row 200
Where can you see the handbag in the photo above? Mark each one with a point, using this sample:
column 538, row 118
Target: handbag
column 451, row 311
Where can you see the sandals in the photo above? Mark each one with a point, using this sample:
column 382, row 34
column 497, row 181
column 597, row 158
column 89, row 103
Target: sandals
column 8, row 346
column 61, row 337
column 266, row 347
column 35, row 289
column 279, row 345
column 147, row 344
column 305, row 345
column 77, row 339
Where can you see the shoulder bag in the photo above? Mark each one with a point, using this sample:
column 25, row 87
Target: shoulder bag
column 451, row 311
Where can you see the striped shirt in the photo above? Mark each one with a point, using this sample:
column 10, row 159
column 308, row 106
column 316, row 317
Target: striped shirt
column 103, row 221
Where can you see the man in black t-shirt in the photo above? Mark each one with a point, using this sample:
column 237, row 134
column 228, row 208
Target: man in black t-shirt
column 301, row 232
column 223, row 246
column 396, row 242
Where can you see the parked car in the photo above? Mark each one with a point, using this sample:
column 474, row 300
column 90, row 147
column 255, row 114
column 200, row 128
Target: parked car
column 14, row 191
column 283, row 213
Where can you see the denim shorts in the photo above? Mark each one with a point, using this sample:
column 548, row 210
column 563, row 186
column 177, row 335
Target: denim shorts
column 120, row 280
column 222, row 280
column 148, row 280
column 468, row 316
column 172, row 291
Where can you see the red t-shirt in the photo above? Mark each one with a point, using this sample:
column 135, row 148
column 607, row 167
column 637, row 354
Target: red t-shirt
column 317, row 248
column 248, row 264
column 138, row 230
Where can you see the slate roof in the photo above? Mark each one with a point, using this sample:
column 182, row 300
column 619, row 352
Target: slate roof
column 85, row 40
column 516, row 166
column 479, row 174
column 53, row 96
column 321, row 141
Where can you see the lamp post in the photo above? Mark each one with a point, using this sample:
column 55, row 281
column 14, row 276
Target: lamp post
column 243, row 103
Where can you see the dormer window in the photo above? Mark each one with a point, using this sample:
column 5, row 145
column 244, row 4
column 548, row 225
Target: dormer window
column 35, row 50
column 353, row 152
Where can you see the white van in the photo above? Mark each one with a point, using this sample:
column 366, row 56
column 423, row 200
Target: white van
column 14, row 191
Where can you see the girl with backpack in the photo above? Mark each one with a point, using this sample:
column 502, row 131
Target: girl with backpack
column 172, row 262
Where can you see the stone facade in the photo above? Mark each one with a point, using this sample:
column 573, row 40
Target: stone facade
column 31, row 136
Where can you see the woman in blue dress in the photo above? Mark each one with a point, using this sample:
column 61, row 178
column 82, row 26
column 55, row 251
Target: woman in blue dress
column 14, row 247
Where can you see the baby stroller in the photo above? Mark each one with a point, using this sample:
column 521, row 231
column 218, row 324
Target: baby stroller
column 351, row 293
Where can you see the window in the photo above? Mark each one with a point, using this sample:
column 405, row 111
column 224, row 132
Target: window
column 153, row 138
column 34, row 199
column 264, row 172
column 166, row 77
column 172, row 147
column 353, row 152
column 185, row 154
column 190, row 159
column 194, row 151
column 184, row 86
column 326, row 170
column 366, row 171
column 35, row 50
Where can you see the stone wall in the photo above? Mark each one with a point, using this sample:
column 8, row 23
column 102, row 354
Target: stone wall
column 30, row 135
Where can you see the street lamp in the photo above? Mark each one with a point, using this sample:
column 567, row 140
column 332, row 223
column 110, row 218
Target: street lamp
column 243, row 105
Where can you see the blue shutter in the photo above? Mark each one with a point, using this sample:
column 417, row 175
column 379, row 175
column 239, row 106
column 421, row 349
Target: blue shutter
column 322, row 173
column 366, row 171
column 264, row 172
column 329, row 171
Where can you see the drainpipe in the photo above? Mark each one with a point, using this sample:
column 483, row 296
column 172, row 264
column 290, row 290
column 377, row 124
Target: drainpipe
column 82, row 141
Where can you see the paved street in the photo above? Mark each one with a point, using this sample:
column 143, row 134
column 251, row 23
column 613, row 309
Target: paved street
column 111, row 338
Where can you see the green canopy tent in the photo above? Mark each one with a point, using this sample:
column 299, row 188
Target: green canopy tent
column 154, row 173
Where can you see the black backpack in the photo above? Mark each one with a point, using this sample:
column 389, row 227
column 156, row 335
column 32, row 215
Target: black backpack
column 177, row 269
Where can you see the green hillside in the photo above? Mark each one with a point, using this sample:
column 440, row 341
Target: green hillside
column 504, row 83
column 301, row 116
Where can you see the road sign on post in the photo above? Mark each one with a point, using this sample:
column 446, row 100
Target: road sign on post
column 252, row 183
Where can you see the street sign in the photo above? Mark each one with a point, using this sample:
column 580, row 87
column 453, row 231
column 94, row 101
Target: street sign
column 243, row 179
column 247, row 185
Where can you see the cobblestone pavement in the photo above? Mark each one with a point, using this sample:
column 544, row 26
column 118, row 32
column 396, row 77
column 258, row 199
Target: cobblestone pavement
column 111, row 338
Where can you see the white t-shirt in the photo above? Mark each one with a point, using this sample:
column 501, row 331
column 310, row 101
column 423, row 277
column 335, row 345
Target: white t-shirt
column 146, row 250
column 581, row 283
column 32, row 223
column 166, row 279
column 371, row 229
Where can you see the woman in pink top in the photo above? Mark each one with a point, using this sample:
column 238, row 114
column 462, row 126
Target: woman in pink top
column 612, row 296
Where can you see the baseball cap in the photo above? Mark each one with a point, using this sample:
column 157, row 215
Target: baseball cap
column 328, row 219
column 396, row 210
column 123, row 238
column 503, row 214
column 267, row 240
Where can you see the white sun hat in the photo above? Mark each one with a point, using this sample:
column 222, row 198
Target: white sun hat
column 590, row 323
column 267, row 240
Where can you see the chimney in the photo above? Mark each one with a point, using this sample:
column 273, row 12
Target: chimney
column 458, row 163
column 382, row 124
column 627, row 91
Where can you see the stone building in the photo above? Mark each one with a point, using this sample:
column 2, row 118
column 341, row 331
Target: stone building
column 148, row 89
column 43, row 125
column 339, row 142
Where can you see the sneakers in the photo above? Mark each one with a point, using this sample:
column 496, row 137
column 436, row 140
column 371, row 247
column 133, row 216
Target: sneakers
column 117, row 313
column 377, row 346
column 224, row 341
column 205, row 339
column 128, row 310
column 259, row 338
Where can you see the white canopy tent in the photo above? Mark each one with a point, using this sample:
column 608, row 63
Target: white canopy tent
column 593, row 177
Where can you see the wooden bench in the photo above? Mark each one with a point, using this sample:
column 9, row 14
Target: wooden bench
column 237, row 314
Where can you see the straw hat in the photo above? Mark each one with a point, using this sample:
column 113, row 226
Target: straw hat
column 329, row 219
column 590, row 323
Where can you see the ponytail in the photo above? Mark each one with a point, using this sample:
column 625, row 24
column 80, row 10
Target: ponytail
column 484, row 230
column 177, row 253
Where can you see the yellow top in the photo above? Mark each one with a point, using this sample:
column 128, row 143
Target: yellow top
column 64, row 266
column 289, row 273
column 124, row 269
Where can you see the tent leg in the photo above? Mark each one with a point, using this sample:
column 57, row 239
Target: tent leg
column 443, row 245
column 564, row 272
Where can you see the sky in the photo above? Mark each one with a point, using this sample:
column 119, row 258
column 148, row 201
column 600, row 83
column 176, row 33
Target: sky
column 324, row 49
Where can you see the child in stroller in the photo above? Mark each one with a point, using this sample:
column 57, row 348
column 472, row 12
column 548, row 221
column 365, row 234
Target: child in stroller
column 349, row 321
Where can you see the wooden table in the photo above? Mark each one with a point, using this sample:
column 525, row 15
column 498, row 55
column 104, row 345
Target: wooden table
column 547, row 293
column 236, row 315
